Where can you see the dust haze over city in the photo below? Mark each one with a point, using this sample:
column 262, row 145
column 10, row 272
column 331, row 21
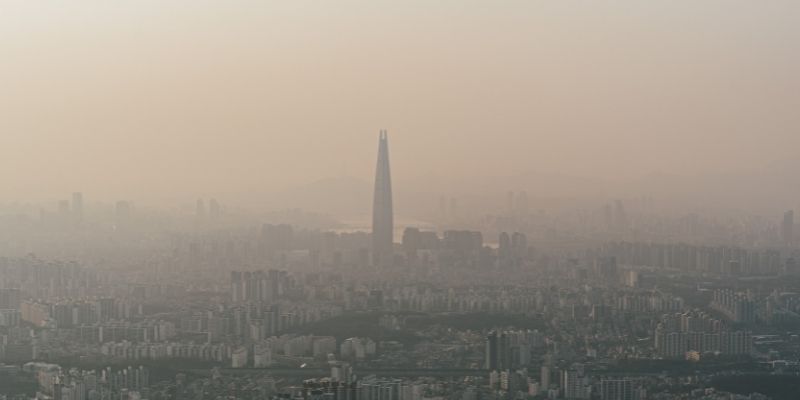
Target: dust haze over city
column 399, row 200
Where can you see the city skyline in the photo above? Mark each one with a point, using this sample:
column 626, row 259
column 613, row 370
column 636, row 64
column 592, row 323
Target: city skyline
column 581, row 200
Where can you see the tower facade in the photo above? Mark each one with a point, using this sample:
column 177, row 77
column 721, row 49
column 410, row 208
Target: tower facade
column 382, row 212
column 787, row 228
column 77, row 207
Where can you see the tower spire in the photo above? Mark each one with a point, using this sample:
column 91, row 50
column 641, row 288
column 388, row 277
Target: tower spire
column 382, row 212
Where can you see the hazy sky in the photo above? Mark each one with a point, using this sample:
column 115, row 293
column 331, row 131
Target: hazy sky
column 162, row 99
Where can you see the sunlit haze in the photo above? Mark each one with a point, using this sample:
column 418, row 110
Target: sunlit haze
column 163, row 102
column 399, row 200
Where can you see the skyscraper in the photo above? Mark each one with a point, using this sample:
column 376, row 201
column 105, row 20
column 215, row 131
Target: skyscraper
column 616, row 389
column 504, row 250
column 787, row 228
column 491, row 358
column 382, row 213
column 200, row 209
column 77, row 207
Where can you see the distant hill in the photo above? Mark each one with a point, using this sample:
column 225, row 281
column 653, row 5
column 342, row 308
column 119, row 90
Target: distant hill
column 767, row 191
column 335, row 196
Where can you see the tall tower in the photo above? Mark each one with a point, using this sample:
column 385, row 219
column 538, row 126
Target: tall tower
column 382, row 213
column 787, row 228
column 77, row 207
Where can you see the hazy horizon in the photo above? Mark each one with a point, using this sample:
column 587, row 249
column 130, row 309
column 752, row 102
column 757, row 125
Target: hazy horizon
column 399, row 200
column 244, row 101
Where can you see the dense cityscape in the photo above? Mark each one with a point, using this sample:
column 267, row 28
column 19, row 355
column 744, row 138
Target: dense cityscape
column 124, row 307
column 399, row 200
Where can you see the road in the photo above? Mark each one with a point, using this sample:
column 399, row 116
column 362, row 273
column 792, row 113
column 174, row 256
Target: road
column 322, row 372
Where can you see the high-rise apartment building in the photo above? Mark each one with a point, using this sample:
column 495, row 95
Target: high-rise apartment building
column 77, row 207
column 616, row 389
